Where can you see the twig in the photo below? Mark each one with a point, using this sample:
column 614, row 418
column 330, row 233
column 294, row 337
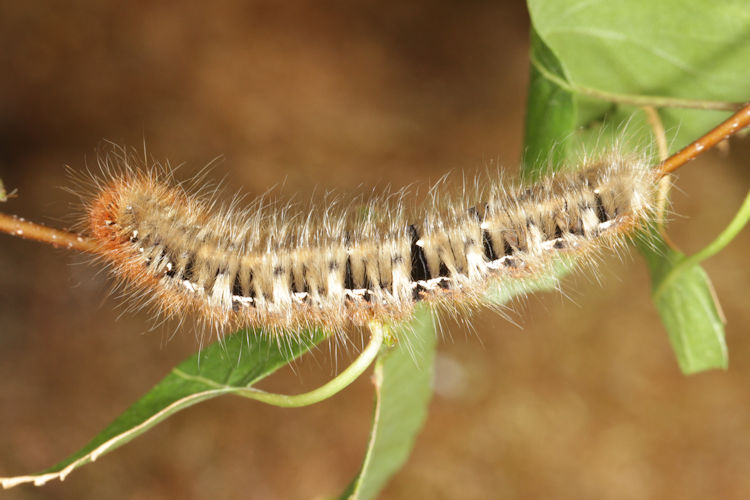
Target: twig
column 732, row 125
column 62, row 239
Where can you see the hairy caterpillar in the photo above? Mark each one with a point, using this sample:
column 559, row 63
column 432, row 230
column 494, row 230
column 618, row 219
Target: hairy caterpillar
column 346, row 266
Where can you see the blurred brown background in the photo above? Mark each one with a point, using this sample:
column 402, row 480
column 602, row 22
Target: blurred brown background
column 583, row 401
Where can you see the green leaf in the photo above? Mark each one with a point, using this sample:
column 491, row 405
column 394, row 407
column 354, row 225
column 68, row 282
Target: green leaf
column 550, row 114
column 403, row 389
column 504, row 291
column 673, row 49
column 612, row 57
column 230, row 366
column 685, row 301
column 684, row 296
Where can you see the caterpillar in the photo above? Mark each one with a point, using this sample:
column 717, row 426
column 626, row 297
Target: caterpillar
column 347, row 265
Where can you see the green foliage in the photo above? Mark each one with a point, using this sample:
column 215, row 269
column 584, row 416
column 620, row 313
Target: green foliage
column 645, row 52
column 687, row 309
column 685, row 297
column 403, row 388
column 228, row 367
column 549, row 280
column 609, row 58
column 550, row 114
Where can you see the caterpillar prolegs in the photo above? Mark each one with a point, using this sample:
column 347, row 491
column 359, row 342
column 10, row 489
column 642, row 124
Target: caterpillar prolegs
column 345, row 266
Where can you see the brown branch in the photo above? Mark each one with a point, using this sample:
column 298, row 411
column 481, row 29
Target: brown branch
column 735, row 123
column 62, row 239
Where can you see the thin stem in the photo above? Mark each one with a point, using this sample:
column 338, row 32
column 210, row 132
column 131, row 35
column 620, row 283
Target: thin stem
column 351, row 373
column 4, row 195
column 665, row 183
column 657, row 127
column 732, row 125
column 16, row 226
column 727, row 235
column 636, row 100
